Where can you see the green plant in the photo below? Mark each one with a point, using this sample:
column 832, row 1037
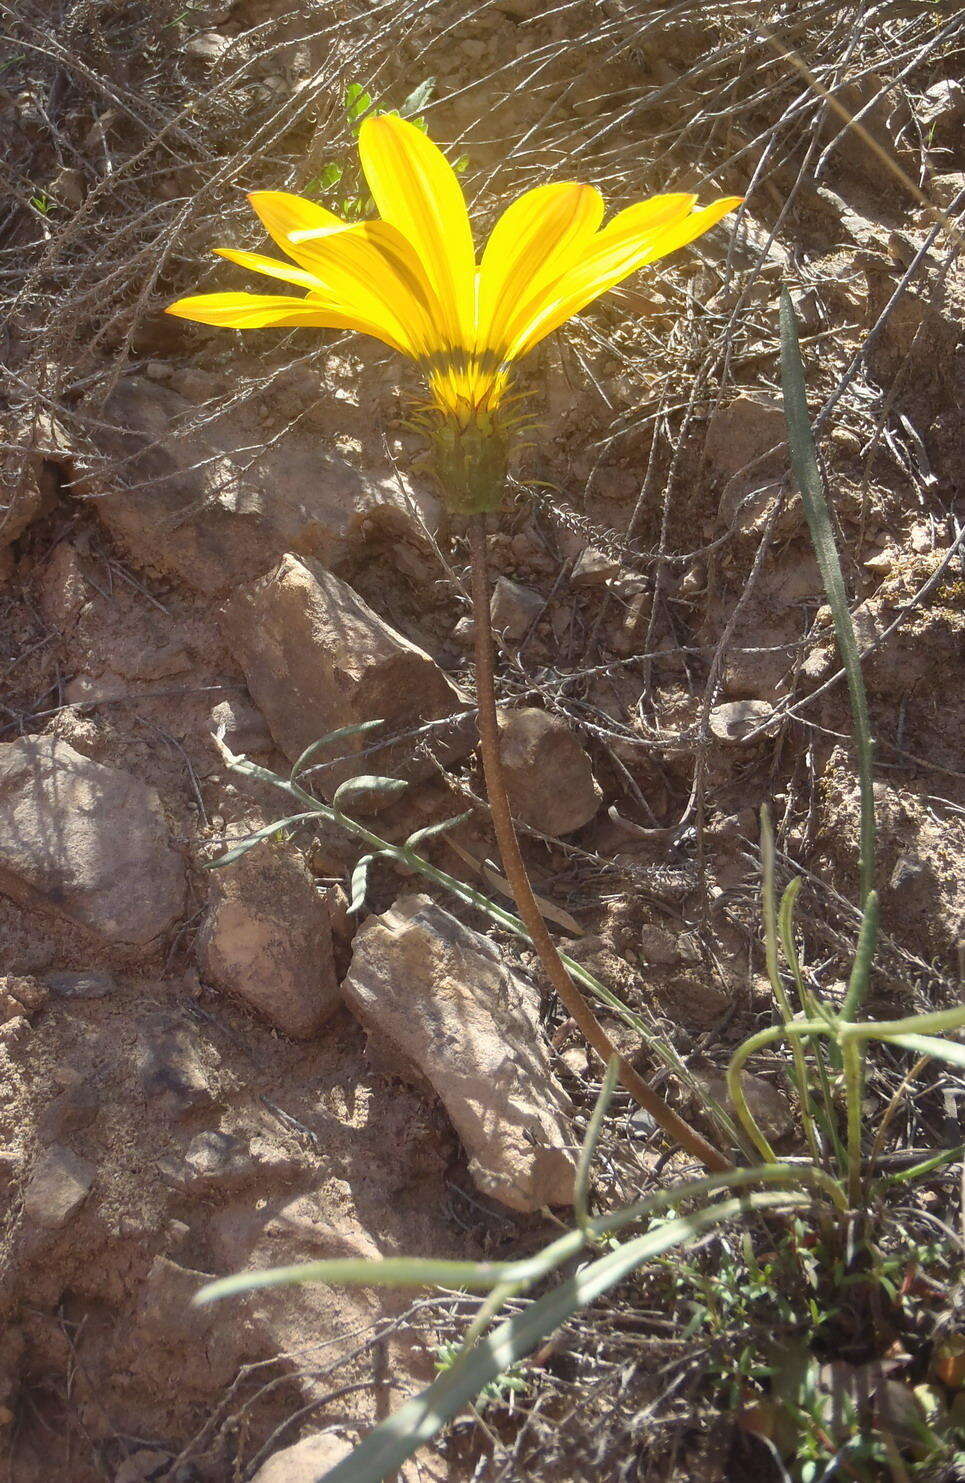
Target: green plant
column 828, row 1251
column 338, row 185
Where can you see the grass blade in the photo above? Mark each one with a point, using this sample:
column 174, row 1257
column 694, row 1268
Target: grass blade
column 386, row 1448
column 804, row 462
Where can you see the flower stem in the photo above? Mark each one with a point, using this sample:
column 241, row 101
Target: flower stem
column 516, row 874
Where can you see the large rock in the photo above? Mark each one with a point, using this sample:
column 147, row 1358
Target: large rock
column 306, row 1462
column 268, row 940
column 317, row 658
column 216, row 507
column 448, row 1006
column 86, row 841
column 547, row 772
column 58, row 1185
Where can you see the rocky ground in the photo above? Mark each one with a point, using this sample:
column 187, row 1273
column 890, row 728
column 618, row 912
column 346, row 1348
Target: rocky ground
column 212, row 540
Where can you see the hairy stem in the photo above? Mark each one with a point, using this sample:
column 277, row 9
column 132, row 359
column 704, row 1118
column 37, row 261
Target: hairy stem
column 516, row 874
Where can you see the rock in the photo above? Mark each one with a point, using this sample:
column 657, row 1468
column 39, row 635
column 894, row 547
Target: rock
column 464, row 633
column 87, row 842
column 213, row 1161
column 592, row 568
column 268, row 940
column 20, row 504
column 167, row 1319
column 20, row 996
column 202, row 507
column 208, row 46
column 548, row 775
column 316, row 658
column 59, row 1184
column 733, row 721
column 443, row 998
column 767, row 1103
column 68, row 187
column 513, row 608
column 240, row 725
column 64, row 591
column 15, row 1031
column 143, row 1466
column 170, row 1068
column 942, row 105
column 306, row 1462
column 81, row 985
column 743, row 432
column 920, row 649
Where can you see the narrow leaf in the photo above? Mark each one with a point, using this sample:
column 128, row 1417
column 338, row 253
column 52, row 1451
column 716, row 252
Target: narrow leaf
column 367, row 783
column 808, row 476
column 341, row 734
column 250, row 840
column 431, row 831
column 418, row 98
column 951, row 1051
column 401, row 1271
column 386, row 1448
column 360, row 883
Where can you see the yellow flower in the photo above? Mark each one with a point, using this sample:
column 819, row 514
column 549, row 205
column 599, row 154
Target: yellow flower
column 411, row 279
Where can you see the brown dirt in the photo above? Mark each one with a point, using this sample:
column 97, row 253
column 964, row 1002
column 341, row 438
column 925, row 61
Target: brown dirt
column 100, row 1354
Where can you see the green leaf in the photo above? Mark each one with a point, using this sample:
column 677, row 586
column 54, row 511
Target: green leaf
column 461, row 165
column 804, row 461
column 341, row 734
column 357, row 104
column 431, row 831
column 386, row 1448
column 250, row 840
column 367, row 783
column 360, row 883
column 930, row 1045
column 418, row 98
column 330, row 177
column 398, row 1271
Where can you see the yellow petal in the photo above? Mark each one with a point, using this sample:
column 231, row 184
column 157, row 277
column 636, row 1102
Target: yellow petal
column 635, row 237
column 282, row 213
column 366, row 267
column 533, row 243
column 270, row 266
column 417, row 191
column 371, row 270
column 243, row 311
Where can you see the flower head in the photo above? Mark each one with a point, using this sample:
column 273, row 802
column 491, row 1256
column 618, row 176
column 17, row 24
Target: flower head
column 411, row 279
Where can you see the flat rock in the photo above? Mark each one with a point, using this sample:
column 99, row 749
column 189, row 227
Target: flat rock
column 212, row 1161
column 548, row 777
column 743, row 432
column 170, row 1062
column 513, row 608
column 593, row 568
column 268, row 940
column 83, row 985
column 87, row 842
column 442, row 997
column 58, row 1185
column 305, row 1462
column 735, row 720
column 317, row 658
column 214, row 507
